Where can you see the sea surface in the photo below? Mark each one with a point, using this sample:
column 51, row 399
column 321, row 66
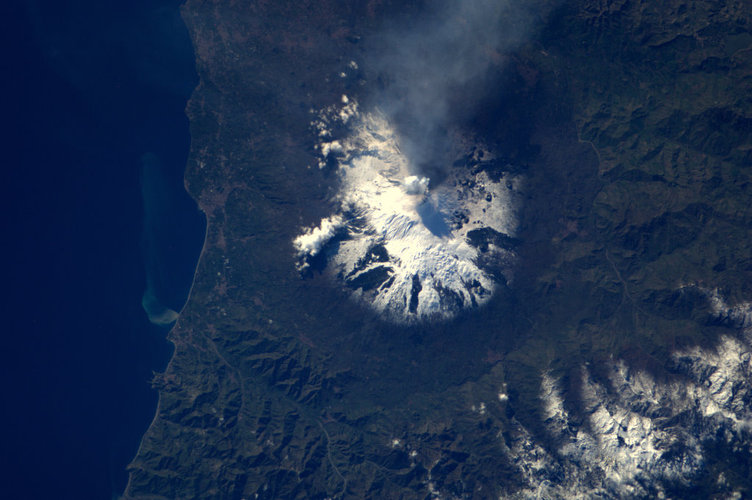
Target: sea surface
column 94, row 148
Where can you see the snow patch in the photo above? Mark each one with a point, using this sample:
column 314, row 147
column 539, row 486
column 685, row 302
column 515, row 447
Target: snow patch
column 408, row 249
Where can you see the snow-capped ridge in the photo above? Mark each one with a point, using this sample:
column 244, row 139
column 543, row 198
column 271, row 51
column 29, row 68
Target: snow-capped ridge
column 642, row 432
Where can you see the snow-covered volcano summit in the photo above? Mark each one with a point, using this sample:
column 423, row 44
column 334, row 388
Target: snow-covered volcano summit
column 407, row 248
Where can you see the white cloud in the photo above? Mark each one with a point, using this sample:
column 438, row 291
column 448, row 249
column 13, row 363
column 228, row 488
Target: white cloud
column 328, row 148
column 313, row 240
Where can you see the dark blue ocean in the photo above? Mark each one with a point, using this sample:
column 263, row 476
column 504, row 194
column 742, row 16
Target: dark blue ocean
column 93, row 117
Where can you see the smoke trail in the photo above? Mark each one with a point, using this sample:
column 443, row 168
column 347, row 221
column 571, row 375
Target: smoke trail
column 436, row 69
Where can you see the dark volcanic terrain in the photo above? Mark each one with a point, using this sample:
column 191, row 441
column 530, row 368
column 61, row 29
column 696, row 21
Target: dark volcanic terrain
column 632, row 122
